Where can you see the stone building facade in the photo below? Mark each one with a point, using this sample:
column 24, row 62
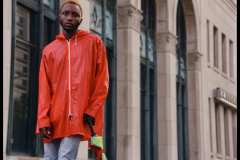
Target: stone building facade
column 172, row 69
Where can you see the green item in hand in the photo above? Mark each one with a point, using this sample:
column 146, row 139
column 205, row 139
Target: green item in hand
column 97, row 141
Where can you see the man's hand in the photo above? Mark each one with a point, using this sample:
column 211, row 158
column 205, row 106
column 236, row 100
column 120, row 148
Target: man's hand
column 45, row 132
column 89, row 119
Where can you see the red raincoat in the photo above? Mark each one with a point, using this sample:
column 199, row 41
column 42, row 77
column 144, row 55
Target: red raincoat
column 73, row 80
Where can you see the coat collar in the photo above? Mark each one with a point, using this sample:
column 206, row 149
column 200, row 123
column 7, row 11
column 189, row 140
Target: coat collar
column 79, row 33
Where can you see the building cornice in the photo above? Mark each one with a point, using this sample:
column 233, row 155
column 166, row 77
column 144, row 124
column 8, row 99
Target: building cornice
column 225, row 97
column 231, row 5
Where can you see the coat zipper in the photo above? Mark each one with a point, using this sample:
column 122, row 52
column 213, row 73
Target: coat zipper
column 70, row 115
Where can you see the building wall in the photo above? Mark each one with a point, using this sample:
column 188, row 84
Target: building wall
column 221, row 14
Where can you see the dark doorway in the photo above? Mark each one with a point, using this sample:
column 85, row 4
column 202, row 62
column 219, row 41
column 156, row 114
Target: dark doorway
column 182, row 109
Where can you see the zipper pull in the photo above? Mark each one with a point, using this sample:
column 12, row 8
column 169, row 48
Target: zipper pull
column 70, row 116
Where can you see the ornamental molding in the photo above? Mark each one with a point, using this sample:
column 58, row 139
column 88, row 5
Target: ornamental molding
column 129, row 17
column 166, row 42
column 194, row 60
column 224, row 97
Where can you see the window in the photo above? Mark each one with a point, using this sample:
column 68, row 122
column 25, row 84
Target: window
column 224, row 54
column 231, row 59
column 21, row 82
column 147, row 79
column 96, row 16
column 49, row 3
column 208, row 42
column 103, row 23
column 215, row 47
column 210, row 124
column 26, row 46
column 181, row 90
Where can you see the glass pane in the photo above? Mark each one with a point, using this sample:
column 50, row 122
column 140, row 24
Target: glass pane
column 182, row 68
column 48, row 31
column 109, row 13
column 181, row 86
column 96, row 17
column 110, row 109
column 49, row 3
column 109, row 25
column 21, row 82
column 143, row 44
column 150, row 49
column 22, row 23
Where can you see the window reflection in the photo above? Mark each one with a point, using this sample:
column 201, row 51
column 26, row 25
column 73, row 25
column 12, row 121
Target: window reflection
column 21, row 80
column 96, row 16
column 49, row 3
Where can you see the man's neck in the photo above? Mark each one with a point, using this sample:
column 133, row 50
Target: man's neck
column 69, row 34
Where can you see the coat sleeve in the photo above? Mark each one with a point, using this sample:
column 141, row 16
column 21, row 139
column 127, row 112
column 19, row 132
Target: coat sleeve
column 101, row 83
column 44, row 95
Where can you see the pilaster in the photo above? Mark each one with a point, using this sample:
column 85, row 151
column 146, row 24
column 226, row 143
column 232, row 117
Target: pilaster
column 166, row 96
column 128, row 88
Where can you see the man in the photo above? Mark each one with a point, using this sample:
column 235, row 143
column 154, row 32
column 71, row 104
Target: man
column 73, row 85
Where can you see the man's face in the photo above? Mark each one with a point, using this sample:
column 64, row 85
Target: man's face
column 70, row 16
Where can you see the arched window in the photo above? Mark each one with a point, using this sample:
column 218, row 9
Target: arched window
column 181, row 85
column 34, row 25
column 147, row 79
column 103, row 23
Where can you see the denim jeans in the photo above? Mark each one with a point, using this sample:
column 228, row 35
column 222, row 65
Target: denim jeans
column 62, row 149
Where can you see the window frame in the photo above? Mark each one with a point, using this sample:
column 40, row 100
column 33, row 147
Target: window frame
column 181, row 85
column 110, row 133
column 148, row 92
column 215, row 47
column 36, row 9
column 224, row 53
column 231, row 60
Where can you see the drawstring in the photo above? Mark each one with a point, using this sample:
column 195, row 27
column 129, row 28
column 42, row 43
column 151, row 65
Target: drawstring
column 75, row 40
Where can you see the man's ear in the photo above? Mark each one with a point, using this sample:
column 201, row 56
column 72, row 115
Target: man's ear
column 81, row 19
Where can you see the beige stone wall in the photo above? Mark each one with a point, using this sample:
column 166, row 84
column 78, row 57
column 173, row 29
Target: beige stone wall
column 7, row 24
column 222, row 14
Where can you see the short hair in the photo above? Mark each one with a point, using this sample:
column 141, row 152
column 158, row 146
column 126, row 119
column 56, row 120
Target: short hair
column 77, row 2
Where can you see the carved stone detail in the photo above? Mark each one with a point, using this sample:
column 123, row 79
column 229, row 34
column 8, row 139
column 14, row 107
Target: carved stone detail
column 166, row 42
column 194, row 60
column 129, row 17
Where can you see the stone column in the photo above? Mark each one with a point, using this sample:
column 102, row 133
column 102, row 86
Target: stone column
column 166, row 96
column 213, row 128
column 222, row 129
column 128, row 80
column 234, row 125
column 195, row 113
column 7, row 34
column 230, row 132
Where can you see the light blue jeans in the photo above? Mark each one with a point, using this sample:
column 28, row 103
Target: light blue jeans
column 62, row 149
